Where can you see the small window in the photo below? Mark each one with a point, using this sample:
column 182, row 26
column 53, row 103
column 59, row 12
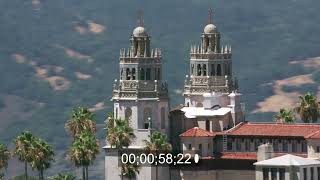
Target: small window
column 305, row 174
column 282, row 173
column 311, row 173
column 304, row 146
column 199, row 70
column 284, row 147
column 247, row 145
column 238, row 145
column 204, row 70
column 219, row 70
column 294, row 146
column 318, row 149
column 133, row 75
column 229, row 144
column 142, row 74
column 274, row 174
column 265, row 172
column 189, row 147
column 318, row 170
column 200, row 149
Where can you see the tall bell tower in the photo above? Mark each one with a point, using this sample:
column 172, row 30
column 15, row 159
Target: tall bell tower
column 210, row 69
column 140, row 96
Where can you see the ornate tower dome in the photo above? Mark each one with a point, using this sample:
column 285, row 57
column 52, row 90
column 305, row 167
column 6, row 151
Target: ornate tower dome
column 139, row 31
column 210, row 29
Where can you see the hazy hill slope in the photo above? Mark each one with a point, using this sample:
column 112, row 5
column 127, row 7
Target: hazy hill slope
column 55, row 55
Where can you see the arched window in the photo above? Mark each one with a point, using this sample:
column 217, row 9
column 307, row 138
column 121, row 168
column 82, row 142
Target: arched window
column 128, row 114
column 147, row 114
column 192, row 69
column 142, row 73
column 148, row 74
column 213, row 71
column 219, row 70
column 133, row 75
column 199, row 70
column 127, row 74
column 204, row 70
column 163, row 118
column 207, row 125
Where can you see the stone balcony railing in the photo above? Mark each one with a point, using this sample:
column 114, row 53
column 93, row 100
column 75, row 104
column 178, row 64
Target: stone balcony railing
column 203, row 84
column 144, row 60
column 210, row 55
column 139, row 88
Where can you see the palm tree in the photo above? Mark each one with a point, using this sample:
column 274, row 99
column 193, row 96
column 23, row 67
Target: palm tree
column 83, row 152
column 285, row 116
column 129, row 170
column 308, row 108
column 156, row 144
column 81, row 120
column 119, row 134
column 22, row 149
column 63, row 176
column 42, row 155
column 4, row 158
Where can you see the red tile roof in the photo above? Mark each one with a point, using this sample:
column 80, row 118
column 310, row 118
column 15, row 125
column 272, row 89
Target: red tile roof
column 239, row 155
column 197, row 132
column 275, row 130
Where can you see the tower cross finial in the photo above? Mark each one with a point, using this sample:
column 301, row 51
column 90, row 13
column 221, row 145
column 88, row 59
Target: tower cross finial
column 140, row 18
column 210, row 12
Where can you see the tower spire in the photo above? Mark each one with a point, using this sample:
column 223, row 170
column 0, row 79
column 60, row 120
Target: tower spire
column 210, row 13
column 140, row 18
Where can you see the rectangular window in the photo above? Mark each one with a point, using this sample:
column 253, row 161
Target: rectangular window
column 284, row 146
column 200, row 149
column 229, row 144
column 304, row 146
column 311, row 173
column 238, row 145
column 282, row 173
column 318, row 149
column 247, row 145
column 318, row 170
column 189, row 147
column 294, row 146
column 305, row 174
column 273, row 174
column 265, row 172
column 275, row 146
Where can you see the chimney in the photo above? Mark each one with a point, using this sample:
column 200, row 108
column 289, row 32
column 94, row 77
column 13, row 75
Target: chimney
column 265, row 151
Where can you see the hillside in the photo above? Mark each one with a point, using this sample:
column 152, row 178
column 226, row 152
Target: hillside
column 55, row 55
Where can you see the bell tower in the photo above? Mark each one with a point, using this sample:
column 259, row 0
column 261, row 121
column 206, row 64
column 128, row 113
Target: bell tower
column 210, row 69
column 140, row 95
